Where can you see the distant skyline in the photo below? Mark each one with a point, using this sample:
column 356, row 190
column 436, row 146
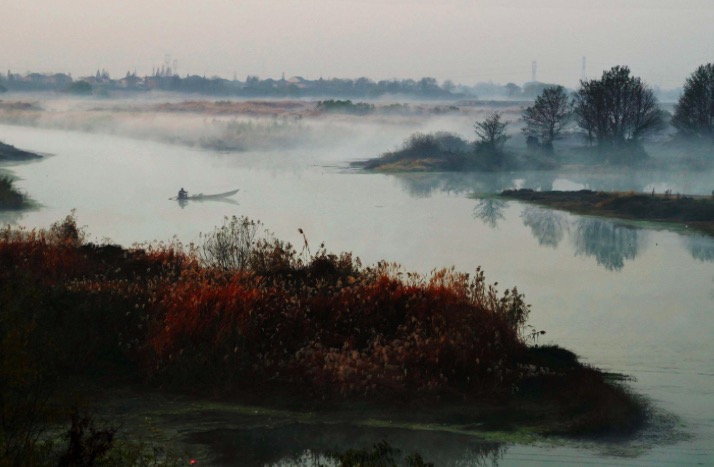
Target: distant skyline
column 465, row 41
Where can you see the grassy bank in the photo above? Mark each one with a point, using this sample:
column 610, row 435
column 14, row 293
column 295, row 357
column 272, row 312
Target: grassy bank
column 690, row 211
column 247, row 318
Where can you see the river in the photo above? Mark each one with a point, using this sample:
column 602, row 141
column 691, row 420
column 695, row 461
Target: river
column 630, row 298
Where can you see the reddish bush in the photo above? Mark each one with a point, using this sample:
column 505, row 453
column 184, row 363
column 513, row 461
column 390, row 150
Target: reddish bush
column 323, row 323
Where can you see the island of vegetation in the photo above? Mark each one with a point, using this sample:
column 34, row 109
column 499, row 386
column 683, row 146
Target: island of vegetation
column 694, row 212
column 606, row 121
column 246, row 318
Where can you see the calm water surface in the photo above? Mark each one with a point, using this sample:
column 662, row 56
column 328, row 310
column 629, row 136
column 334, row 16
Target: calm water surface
column 629, row 298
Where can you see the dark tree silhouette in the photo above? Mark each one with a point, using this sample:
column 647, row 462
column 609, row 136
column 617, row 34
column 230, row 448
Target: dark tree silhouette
column 492, row 132
column 548, row 115
column 617, row 110
column 492, row 136
column 694, row 113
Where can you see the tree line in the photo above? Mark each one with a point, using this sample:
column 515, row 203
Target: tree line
column 615, row 112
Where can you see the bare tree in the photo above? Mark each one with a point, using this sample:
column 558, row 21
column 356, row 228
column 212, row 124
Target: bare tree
column 491, row 133
column 694, row 113
column 547, row 117
column 230, row 246
column 617, row 110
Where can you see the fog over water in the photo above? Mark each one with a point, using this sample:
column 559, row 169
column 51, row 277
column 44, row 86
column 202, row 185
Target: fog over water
column 631, row 298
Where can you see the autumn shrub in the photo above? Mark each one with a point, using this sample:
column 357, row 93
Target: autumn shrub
column 332, row 327
column 320, row 322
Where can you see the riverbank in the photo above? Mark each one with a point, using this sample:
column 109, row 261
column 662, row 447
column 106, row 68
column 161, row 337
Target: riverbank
column 295, row 333
column 692, row 212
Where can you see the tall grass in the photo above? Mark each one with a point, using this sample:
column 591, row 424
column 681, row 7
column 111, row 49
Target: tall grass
column 317, row 326
column 322, row 322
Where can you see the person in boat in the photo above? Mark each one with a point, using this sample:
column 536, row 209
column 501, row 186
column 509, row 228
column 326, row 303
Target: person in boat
column 182, row 194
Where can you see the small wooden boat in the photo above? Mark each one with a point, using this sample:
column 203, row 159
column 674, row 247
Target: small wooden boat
column 201, row 196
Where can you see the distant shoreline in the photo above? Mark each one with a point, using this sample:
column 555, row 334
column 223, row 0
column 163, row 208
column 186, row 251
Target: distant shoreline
column 695, row 212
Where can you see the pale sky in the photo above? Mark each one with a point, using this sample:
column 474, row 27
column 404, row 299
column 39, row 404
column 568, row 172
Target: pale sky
column 662, row 41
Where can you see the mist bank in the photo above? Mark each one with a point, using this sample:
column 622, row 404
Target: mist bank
column 338, row 129
column 345, row 131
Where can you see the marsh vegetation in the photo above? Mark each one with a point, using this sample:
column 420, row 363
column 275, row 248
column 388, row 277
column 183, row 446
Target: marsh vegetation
column 277, row 326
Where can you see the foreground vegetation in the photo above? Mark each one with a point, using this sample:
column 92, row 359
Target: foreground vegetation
column 692, row 212
column 250, row 319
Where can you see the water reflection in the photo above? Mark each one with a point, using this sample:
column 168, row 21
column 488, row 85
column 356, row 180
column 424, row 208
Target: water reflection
column 426, row 184
column 700, row 247
column 185, row 202
column 546, row 225
column 490, row 211
column 298, row 444
column 611, row 244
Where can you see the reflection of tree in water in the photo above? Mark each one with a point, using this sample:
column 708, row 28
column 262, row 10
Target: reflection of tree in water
column 420, row 185
column 609, row 243
column 700, row 247
column 490, row 211
column 546, row 225
column 425, row 184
